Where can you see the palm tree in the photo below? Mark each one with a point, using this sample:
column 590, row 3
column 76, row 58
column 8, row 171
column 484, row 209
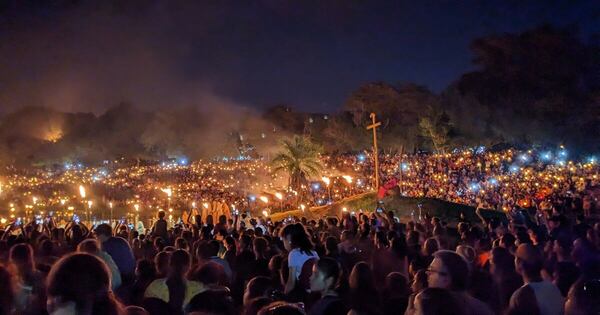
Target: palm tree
column 299, row 158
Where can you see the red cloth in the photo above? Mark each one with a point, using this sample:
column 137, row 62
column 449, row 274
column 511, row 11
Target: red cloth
column 390, row 184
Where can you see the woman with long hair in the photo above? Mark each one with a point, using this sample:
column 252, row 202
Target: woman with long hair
column 30, row 281
column 364, row 298
column 300, row 249
column 80, row 284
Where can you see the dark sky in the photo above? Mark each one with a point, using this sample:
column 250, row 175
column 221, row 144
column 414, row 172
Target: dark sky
column 88, row 55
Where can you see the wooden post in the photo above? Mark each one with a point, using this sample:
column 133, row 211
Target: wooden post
column 374, row 126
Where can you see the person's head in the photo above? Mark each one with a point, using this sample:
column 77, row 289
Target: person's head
column 448, row 270
column 325, row 275
column 501, row 262
column 179, row 263
column 528, row 261
column 430, row 246
column 508, row 241
column 396, row 284
column 181, row 243
column 381, row 240
column 80, row 283
column 419, row 281
column 467, row 252
column 260, row 246
column 161, row 214
column 331, row 244
column 257, row 287
column 255, row 305
column 361, row 277
column 21, row 256
column 135, row 310
column 161, row 263
column 582, row 298
column 213, row 301
column 229, row 242
column 564, row 276
column 210, row 274
column 295, row 236
column 437, row 301
column 144, row 269
column 281, row 308
column 46, row 248
column 103, row 232
column 89, row 246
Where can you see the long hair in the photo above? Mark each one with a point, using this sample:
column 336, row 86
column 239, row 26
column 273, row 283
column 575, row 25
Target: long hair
column 179, row 263
column 21, row 258
column 298, row 237
column 85, row 280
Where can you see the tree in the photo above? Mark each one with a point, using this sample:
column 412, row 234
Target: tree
column 299, row 158
column 537, row 86
column 437, row 128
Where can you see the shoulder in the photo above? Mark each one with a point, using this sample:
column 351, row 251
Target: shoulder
column 157, row 289
column 195, row 287
column 522, row 295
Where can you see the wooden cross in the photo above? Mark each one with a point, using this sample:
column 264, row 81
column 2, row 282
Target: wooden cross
column 374, row 126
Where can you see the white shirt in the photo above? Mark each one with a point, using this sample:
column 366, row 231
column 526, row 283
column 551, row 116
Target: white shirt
column 296, row 260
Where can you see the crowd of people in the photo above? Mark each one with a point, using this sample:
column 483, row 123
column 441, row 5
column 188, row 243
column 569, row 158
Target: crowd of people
column 370, row 263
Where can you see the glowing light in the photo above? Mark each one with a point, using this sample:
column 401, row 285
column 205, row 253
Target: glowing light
column 546, row 156
column 361, row 158
column 316, row 186
column 514, row 169
column 348, row 178
column 81, row 191
column 137, row 207
column 279, row 196
column 194, row 204
column 302, row 207
column 592, row 160
column 524, row 157
column 264, row 199
column 404, row 166
column 252, row 198
column 62, row 202
column 110, row 205
column 493, row 181
column 326, row 180
column 167, row 191
column 265, row 213
column 562, row 153
column 344, row 209
column 34, row 200
column 474, row 186
column 90, row 203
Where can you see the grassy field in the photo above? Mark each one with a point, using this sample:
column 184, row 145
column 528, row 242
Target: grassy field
column 402, row 207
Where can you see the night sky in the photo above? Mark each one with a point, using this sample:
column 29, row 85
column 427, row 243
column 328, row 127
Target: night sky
column 89, row 55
